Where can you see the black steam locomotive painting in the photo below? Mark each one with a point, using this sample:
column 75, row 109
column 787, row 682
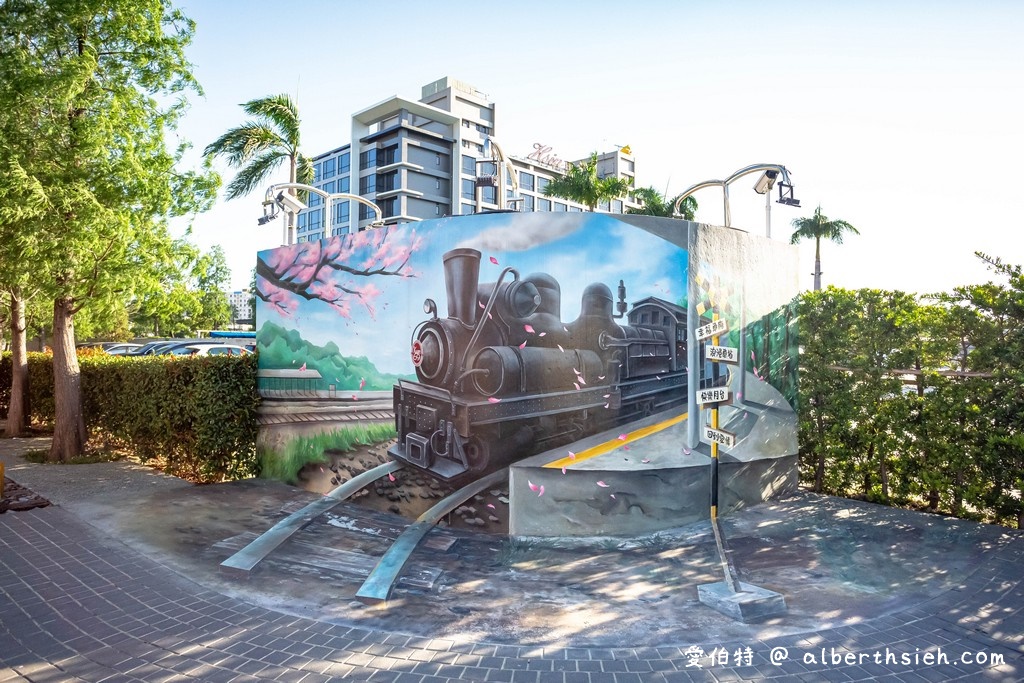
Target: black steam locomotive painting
column 503, row 377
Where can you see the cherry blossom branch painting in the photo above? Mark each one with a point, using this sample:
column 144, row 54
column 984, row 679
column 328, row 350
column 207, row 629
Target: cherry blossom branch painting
column 332, row 271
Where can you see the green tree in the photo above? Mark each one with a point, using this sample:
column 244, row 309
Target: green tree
column 98, row 84
column 818, row 227
column 212, row 276
column 582, row 185
column 653, row 203
column 259, row 146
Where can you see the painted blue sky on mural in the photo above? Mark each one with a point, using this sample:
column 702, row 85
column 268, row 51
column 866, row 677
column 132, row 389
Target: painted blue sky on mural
column 374, row 315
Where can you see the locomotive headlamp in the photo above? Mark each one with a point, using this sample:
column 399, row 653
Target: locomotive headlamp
column 430, row 307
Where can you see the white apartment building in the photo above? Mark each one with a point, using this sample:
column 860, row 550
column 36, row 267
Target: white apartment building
column 241, row 305
column 422, row 159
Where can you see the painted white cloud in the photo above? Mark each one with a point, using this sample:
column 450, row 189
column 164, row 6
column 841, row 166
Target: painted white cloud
column 529, row 230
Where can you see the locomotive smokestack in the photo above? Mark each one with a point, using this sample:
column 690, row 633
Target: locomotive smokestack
column 461, row 276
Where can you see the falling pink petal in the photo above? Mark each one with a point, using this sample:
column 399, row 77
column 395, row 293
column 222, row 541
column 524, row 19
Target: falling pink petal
column 645, row 460
column 572, row 456
column 563, row 470
column 753, row 357
column 739, row 394
column 580, row 378
column 541, row 492
column 492, row 399
column 533, row 487
column 354, row 397
column 391, row 477
column 622, row 437
column 565, row 328
column 491, row 505
column 494, row 260
column 523, row 345
column 659, row 378
column 542, row 334
column 529, row 329
column 321, row 469
column 489, row 317
column 602, row 484
column 612, row 495
column 576, row 371
column 302, row 367
column 480, row 304
column 686, row 450
column 600, row 376
column 625, row 448
column 560, row 348
column 576, row 385
column 607, row 405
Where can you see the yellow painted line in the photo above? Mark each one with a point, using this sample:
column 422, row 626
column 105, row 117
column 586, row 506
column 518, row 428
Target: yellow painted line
column 609, row 446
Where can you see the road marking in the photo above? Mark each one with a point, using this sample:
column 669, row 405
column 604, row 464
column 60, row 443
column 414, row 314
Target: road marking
column 609, row 446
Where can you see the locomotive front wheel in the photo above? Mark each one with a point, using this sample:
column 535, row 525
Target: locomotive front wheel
column 478, row 454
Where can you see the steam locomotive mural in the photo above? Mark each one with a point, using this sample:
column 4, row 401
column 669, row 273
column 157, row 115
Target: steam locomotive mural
column 503, row 377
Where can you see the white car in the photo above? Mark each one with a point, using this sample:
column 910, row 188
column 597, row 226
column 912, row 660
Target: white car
column 208, row 350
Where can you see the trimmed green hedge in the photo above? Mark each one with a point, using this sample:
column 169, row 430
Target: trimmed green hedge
column 198, row 414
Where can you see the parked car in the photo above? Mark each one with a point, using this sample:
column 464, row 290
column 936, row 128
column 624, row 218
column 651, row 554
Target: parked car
column 120, row 349
column 202, row 349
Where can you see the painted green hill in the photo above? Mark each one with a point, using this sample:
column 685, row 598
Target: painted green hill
column 287, row 350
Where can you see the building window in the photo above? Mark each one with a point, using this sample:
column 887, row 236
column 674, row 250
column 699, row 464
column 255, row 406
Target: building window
column 328, row 187
column 329, row 166
column 542, row 184
column 603, row 205
column 388, row 207
column 317, row 172
column 575, row 208
column 617, row 206
column 437, row 159
column 341, row 213
column 559, row 206
column 468, row 165
column 368, row 184
column 468, row 189
column 365, row 212
column 526, row 181
column 303, row 220
column 483, row 129
column 543, row 204
column 367, row 159
column 487, row 168
column 388, row 155
column 314, row 199
column 527, row 202
column 489, row 194
column 343, row 184
column 387, row 181
column 344, row 163
column 468, row 209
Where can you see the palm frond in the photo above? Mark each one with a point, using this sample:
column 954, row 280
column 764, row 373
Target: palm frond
column 238, row 145
column 254, row 174
column 280, row 110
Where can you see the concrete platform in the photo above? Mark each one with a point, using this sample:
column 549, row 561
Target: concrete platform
column 642, row 479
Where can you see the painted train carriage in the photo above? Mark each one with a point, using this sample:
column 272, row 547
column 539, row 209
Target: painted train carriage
column 503, row 377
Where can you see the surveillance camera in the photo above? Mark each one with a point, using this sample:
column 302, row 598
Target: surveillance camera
column 765, row 182
column 289, row 203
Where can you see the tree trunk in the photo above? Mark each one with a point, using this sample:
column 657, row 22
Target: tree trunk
column 817, row 264
column 819, row 469
column 69, row 424
column 16, row 411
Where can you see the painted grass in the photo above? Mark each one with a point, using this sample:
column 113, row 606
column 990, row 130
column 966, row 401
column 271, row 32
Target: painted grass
column 285, row 465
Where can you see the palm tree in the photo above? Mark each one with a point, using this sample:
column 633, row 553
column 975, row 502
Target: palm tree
column 819, row 226
column 259, row 145
column 581, row 184
column 653, row 203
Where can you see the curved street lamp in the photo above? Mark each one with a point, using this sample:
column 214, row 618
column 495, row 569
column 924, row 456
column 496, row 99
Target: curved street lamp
column 769, row 173
column 276, row 198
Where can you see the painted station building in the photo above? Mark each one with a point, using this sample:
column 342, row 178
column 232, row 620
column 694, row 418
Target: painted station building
column 426, row 159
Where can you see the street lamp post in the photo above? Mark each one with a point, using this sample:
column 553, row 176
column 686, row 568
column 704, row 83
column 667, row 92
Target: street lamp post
column 277, row 198
column 769, row 173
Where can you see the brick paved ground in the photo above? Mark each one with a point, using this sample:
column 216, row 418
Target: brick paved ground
column 78, row 606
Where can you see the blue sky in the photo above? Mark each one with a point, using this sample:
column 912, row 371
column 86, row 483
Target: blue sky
column 902, row 118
